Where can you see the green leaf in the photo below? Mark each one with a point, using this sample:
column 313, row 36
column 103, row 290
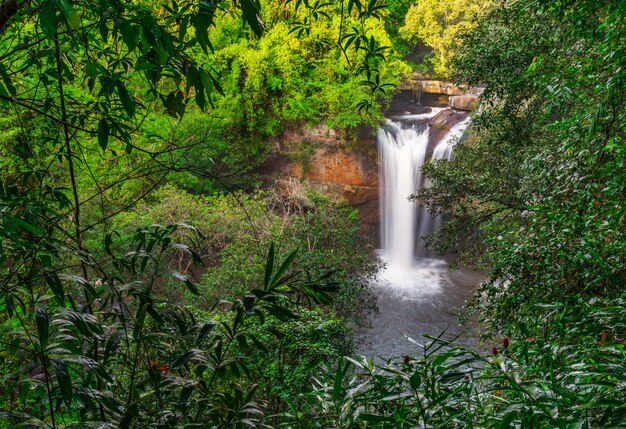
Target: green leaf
column 3, row 93
column 103, row 134
column 202, row 35
column 156, row 316
column 250, row 15
column 91, row 69
column 281, row 313
column 48, row 18
column 125, row 98
column 415, row 380
column 337, row 385
column 64, row 380
column 284, row 266
column 128, row 34
column 174, row 104
column 27, row 226
column 43, row 326
column 70, row 14
column 7, row 81
column 269, row 267
column 54, row 283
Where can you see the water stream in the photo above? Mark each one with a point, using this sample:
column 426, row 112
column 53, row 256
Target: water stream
column 417, row 293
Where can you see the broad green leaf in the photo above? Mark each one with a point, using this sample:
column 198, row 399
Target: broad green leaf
column 4, row 95
column 415, row 380
column 48, row 18
column 250, row 15
column 128, row 34
column 125, row 98
column 64, row 380
column 27, row 226
column 70, row 14
column 103, row 134
column 41, row 317
column 55, row 285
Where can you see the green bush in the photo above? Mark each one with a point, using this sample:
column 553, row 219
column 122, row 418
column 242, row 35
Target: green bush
column 236, row 228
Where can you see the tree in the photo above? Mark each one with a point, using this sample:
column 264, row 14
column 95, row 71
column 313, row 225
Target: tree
column 85, row 338
column 440, row 25
column 539, row 184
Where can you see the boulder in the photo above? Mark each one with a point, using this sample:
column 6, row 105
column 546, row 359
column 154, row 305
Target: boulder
column 441, row 123
column 439, row 87
column 467, row 102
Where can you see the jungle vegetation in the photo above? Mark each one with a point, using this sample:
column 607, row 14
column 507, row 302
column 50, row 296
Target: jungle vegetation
column 147, row 281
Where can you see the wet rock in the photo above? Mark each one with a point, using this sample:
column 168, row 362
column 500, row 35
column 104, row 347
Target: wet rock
column 441, row 123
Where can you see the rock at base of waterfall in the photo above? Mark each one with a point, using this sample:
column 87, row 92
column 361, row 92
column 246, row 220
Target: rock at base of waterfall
column 467, row 102
column 441, row 124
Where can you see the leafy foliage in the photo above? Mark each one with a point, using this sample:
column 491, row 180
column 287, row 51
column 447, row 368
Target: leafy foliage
column 237, row 228
column 541, row 182
column 525, row 382
column 440, row 26
column 97, row 91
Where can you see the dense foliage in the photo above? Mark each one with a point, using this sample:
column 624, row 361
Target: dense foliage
column 543, row 176
column 105, row 102
column 139, row 289
column 441, row 25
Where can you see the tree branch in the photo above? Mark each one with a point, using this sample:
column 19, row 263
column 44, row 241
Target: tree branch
column 7, row 10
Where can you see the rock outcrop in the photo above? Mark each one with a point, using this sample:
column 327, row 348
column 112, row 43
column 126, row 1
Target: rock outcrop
column 319, row 156
column 441, row 123
column 425, row 91
column 467, row 102
column 434, row 86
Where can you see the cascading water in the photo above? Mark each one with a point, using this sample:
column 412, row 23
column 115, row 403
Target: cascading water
column 427, row 223
column 416, row 292
column 402, row 152
column 444, row 149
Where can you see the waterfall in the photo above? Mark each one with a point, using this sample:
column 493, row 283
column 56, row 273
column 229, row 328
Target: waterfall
column 416, row 292
column 402, row 153
column 444, row 149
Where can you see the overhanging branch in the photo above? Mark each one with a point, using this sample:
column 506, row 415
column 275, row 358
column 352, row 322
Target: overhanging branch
column 8, row 9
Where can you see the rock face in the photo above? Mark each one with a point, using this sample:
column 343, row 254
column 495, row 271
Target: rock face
column 433, row 92
column 321, row 157
column 467, row 102
column 318, row 154
column 439, row 87
column 444, row 87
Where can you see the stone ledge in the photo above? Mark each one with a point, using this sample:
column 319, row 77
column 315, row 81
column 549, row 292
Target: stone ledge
column 467, row 102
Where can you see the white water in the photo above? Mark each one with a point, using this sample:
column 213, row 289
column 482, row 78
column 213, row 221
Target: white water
column 417, row 294
column 402, row 153
column 444, row 149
